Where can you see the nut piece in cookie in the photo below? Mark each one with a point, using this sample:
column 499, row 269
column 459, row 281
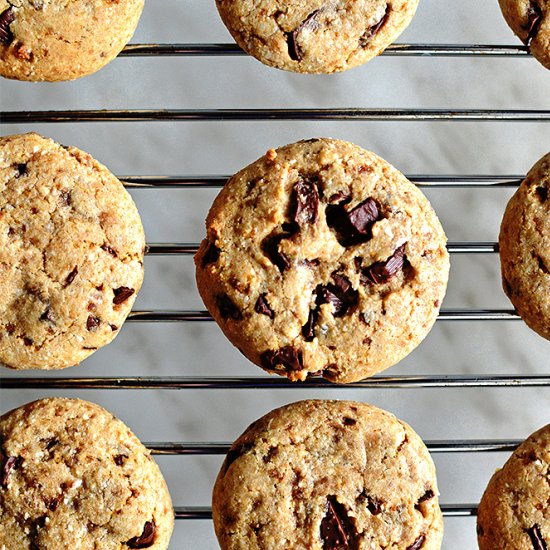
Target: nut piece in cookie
column 74, row 476
column 321, row 258
column 513, row 511
column 327, row 475
column 71, row 254
column 52, row 40
column 525, row 248
column 318, row 36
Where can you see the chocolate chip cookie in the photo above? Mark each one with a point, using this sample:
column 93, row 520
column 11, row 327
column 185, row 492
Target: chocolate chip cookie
column 525, row 248
column 317, row 36
column 60, row 40
column 74, row 476
column 530, row 20
column 71, row 254
column 327, row 475
column 513, row 513
column 321, row 258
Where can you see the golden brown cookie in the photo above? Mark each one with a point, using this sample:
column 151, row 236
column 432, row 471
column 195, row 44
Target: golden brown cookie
column 316, row 36
column 513, row 513
column 530, row 20
column 74, row 476
column 525, row 248
column 321, row 258
column 327, row 475
column 63, row 40
column 71, row 254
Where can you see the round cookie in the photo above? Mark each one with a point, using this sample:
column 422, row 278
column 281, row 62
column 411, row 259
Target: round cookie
column 63, row 40
column 317, row 36
column 74, row 476
column 513, row 513
column 321, row 258
column 71, row 254
column 327, row 475
column 530, row 21
column 525, row 248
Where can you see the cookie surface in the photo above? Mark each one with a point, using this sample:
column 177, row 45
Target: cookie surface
column 71, row 254
column 63, row 40
column 530, row 21
column 316, row 36
column 321, row 258
column 325, row 475
column 513, row 513
column 74, row 476
column 525, row 248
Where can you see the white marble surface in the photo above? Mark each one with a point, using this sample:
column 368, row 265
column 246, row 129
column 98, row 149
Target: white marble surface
column 221, row 148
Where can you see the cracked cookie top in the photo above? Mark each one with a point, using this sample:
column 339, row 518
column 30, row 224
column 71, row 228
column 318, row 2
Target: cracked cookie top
column 322, row 259
column 74, row 476
column 63, row 39
column 525, row 248
column 71, row 254
column 316, row 36
column 530, row 21
column 328, row 475
column 513, row 513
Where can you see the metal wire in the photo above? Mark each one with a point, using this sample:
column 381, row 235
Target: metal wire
column 394, row 50
column 205, row 115
column 442, row 181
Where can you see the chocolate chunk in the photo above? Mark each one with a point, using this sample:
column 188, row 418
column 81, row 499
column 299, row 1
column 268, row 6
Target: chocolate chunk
column 542, row 193
column 305, row 198
column 337, row 531
column 8, row 463
column 114, row 328
column 373, row 31
column 289, row 358
column 120, row 459
column 211, row 255
column 339, row 198
column 146, row 539
column 65, row 197
column 355, row 226
column 270, row 246
column 235, row 453
column 51, row 443
column 417, row 544
column 122, row 294
column 374, row 505
column 48, row 316
column 228, row 309
column 534, row 15
column 52, row 503
column 382, row 272
column 27, row 341
column 294, row 51
column 21, row 170
column 536, row 538
column 542, row 265
column 71, row 276
column 308, row 330
column 339, row 294
column 428, row 495
column 325, row 295
column 349, row 421
column 263, row 307
column 7, row 17
column 92, row 323
column 109, row 249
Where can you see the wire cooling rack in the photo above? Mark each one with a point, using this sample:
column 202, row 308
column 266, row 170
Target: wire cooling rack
column 152, row 182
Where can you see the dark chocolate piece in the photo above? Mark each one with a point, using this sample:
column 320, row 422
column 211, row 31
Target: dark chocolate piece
column 146, row 539
column 8, row 463
column 109, row 249
column 373, row 31
column 65, row 197
column 308, row 330
column 382, row 272
column 542, row 193
column 337, row 531
column 71, row 276
column 120, row 459
column 340, row 294
column 21, row 170
column 122, row 294
column 428, row 495
column 7, row 17
column 534, row 14
column 92, row 323
column 418, row 543
column 48, row 316
column 305, row 199
column 536, row 538
column 211, row 255
column 355, row 226
column 294, row 51
column 228, row 309
column 288, row 357
column 263, row 307
column 270, row 246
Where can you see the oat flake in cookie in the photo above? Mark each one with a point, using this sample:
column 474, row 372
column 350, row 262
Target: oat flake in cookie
column 513, row 513
column 321, row 258
column 525, row 248
column 61, row 39
column 71, row 254
column 530, row 20
column 75, row 477
column 327, row 475
column 316, row 36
